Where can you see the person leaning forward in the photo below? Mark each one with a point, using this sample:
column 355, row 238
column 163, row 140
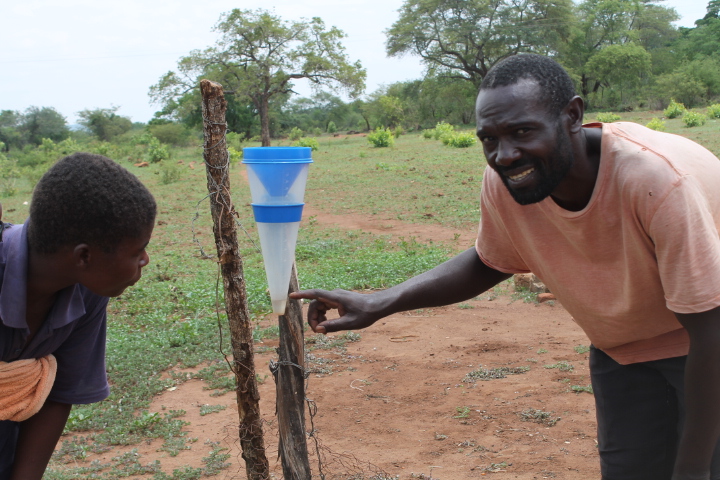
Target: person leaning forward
column 90, row 222
column 621, row 223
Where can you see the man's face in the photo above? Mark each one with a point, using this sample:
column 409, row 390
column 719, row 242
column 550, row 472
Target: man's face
column 109, row 274
column 526, row 145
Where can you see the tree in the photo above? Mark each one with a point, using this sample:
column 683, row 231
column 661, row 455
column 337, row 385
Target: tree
column 621, row 66
column 602, row 23
column 259, row 55
column 104, row 123
column 9, row 134
column 704, row 39
column 692, row 83
column 465, row 38
column 38, row 123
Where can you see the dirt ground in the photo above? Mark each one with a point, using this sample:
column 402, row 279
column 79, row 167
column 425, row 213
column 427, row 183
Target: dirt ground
column 394, row 402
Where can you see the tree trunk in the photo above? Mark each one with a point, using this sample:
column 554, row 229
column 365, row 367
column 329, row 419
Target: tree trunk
column 231, row 267
column 264, row 112
column 290, row 381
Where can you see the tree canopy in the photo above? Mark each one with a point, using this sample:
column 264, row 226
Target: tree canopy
column 104, row 123
column 465, row 38
column 259, row 55
column 31, row 126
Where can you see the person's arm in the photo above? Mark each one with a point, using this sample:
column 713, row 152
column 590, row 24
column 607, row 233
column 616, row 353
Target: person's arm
column 702, row 396
column 460, row 278
column 38, row 437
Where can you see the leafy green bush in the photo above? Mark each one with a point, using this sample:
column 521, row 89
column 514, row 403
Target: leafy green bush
column 399, row 130
column 307, row 142
column 428, row 133
column 461, row 140
column 442, row 129
column 234, row 140
column 713, row 111
column 674, row 110
column 381, row 137
column 169, row 173
column 694, row 119
column 607, row 117
column 234, row 155
column 331, row 127
column 296, row 134
column 656, row 124
column 156, row 151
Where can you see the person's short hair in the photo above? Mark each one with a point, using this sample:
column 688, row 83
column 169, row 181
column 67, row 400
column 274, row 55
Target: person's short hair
column 556, row 86
column 88, row 198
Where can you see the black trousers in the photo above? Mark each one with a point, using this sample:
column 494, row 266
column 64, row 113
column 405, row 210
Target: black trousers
column 640, row 413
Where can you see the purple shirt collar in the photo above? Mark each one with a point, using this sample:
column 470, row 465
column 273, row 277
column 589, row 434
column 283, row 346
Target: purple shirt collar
column 69, row 304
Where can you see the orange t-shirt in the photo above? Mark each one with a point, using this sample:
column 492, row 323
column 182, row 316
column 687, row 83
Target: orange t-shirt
column 645, row 246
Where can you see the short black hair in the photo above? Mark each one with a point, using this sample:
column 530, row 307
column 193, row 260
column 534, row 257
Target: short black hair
column 555, row 84
column 88, row 198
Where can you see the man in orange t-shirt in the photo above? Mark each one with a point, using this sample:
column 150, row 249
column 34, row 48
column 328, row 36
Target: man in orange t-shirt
column 621, row 223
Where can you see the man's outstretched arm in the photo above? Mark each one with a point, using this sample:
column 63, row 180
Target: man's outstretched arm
column 460, row 278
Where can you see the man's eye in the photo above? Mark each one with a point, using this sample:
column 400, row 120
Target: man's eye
column 522, row 131
column 486, row 140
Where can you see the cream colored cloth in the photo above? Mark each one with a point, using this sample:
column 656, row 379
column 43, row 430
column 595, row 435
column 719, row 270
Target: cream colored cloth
column 24, row 386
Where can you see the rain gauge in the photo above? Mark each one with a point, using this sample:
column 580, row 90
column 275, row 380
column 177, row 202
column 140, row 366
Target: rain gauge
column 277, row 177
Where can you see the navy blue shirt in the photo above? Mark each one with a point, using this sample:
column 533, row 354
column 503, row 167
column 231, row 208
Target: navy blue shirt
column 74, row 332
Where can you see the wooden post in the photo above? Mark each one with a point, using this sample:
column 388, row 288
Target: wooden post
column 223, row 215
column 290, row 386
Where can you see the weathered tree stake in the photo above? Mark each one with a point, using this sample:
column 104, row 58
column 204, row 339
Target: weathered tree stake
column 223, row 212
column 289, row 376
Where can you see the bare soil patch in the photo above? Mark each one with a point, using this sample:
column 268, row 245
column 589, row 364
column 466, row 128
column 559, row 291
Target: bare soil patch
column 395, row 401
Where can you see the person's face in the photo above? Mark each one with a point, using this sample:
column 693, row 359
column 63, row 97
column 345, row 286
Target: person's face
column 527, row 146
column 109, row 274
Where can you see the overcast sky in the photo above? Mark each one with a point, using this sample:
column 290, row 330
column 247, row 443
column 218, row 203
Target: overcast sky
column 85, row 54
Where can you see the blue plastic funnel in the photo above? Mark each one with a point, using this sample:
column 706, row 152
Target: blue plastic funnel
column 277, row 175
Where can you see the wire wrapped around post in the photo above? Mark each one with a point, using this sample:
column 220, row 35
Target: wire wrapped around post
column 217, row 166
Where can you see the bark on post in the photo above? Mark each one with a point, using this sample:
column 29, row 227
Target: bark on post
column 290, row 386
column 231, row 267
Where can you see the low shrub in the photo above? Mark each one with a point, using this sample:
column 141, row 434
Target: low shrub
column 442, row 129
column 428, row 133
column 296, row 134
column 169, row 173
column 713, row 111
column 607, row 117
column 234, row 155
column 461, row 140
column 694, row 119
column 331, row 127
column 307, row 142
column 156, row 151
column 674, row 110
column 381, row 137
column 656, row 124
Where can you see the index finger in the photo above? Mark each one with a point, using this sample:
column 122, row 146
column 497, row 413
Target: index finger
column 313, row 294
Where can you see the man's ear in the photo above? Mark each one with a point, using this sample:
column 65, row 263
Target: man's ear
column 82, row 255
column 575, row 110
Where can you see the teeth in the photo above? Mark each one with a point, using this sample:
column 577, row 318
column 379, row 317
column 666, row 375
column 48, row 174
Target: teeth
column 522, row 175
